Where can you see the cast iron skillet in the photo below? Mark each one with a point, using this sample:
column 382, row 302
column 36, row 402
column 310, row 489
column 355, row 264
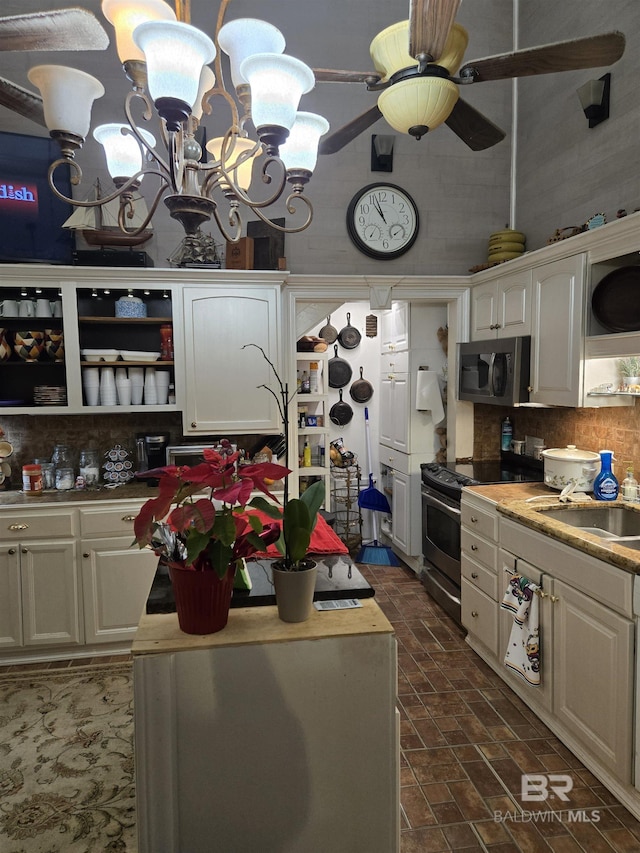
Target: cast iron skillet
column 615, row 300
column 361, row 390
column 329, row 333
column 341, row 412
column 349, row 336
column 339, row 370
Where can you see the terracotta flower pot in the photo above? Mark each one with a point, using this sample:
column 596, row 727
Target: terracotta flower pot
column 202, row 599
column 294, row 592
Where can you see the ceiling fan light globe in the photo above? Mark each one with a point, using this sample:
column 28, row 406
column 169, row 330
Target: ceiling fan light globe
column 68, row 95
column 390, row 50
column 277, row 83
column 122, row 150
column 243, row 37
column 126, row 15
column 418, row 102
column 175, row 54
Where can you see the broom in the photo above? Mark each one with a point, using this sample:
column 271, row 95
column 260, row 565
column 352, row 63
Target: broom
column 373, row 500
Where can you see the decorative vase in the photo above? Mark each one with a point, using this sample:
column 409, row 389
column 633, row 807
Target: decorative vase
column 294, row 591
column 631, row 380
column 202, row 598
column 5, row 346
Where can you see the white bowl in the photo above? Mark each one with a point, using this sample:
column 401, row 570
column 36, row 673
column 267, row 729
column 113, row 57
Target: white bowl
column 133, row 355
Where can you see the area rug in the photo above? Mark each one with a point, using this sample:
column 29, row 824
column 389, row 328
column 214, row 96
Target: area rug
column 66, row 761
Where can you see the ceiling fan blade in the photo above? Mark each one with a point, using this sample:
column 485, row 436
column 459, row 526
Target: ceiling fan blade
column 348, row 132
column 590, row 52
column 474, row 129
column 64, row 29
column 21, row 101
column 329, row 75
column 430, row 22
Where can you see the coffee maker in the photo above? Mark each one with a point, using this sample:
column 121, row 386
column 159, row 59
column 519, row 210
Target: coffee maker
column 152, row 451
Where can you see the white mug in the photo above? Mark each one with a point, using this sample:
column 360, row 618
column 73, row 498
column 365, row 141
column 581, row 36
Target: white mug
column 43, row 308
column 9, row 308
column 56, row 308
column 26, row 308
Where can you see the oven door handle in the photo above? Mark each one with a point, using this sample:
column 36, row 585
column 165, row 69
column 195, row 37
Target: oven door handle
column 452, row 510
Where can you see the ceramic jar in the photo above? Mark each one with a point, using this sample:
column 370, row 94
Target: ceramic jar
column 563, row 465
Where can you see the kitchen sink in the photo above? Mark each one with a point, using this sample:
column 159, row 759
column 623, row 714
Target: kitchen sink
column 609, row 522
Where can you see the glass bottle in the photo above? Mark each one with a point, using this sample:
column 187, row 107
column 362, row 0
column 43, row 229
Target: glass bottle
column 306, row 455
column 605, row 485
column 90, row 467
column 629, row 486
column 61, row 456
column 506, row 434
column 166, row 342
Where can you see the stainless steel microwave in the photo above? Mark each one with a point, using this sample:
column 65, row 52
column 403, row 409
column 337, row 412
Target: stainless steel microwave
column 495, row 371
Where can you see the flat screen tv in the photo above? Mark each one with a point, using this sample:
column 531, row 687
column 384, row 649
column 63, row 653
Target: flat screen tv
column 31, row 216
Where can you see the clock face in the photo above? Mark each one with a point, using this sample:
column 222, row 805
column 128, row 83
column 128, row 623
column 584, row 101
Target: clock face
column 382, row 221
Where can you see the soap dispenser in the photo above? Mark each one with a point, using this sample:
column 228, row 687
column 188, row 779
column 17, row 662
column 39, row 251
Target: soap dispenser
column 629, row 486
column 605, row 485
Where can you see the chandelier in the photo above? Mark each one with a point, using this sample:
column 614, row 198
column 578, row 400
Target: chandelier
column 167, row 61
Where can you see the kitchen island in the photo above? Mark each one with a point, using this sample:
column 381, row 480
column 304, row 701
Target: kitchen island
column 586, row 643
column 268, row 735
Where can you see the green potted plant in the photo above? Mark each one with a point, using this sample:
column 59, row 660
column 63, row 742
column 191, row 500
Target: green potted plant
column 629, row 370
column 199, row 527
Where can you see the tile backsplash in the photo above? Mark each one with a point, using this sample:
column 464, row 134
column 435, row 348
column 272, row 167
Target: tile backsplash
column 589, row 429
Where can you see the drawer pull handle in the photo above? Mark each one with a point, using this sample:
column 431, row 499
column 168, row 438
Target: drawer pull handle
column 86, row 554
column 194, row 424
column 12, row 550
column 474, row 575
column 128, row 518
column 474, row 520
column 474, row 547
column 18, row 527
column 474, row 613
column 25, row 550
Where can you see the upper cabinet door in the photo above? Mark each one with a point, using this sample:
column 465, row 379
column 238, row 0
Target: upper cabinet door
column 557, row 332
column 502, row 308
column 223, row 389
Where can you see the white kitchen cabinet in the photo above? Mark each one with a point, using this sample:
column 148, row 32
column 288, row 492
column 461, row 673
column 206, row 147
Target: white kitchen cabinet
column 400, row 481
column 116, row 577
column 502, row 308
column 557, row 332
column 40, row 581
column 401, row 426
column 395, row 328
column 223, row 375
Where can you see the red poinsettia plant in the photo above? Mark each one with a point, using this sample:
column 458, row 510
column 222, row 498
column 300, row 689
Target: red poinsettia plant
column 210, row 531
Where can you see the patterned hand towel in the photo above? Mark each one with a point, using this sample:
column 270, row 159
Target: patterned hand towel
column 523, row 651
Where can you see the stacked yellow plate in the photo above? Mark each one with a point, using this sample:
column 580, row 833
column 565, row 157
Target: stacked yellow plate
column 506, row 245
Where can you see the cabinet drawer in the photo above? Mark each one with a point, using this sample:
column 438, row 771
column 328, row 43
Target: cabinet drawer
column 480, row 577
column 394, row 362
column 394, row 459
column 108, row 522
column 479, row 549
column 19, row 526
column 480, row 616
column 480, row 521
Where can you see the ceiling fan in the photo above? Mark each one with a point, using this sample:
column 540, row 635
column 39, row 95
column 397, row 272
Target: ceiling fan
column 418, row 74
column 63, row 29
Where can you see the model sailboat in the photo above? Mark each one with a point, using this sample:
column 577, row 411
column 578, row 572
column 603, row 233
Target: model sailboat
column 99, row 225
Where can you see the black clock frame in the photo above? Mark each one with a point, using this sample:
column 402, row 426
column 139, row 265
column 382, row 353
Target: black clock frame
column 353, row 232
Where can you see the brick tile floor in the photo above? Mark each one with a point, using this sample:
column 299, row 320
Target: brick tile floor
column 466, row 739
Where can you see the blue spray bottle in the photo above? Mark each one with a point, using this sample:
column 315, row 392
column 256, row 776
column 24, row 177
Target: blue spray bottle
column 605, row 485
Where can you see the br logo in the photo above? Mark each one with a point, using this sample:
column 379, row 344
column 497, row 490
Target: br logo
column 535, row 787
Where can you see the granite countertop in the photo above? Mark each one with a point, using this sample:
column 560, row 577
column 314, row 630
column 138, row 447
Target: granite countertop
column 127, row 491
column 511, row 501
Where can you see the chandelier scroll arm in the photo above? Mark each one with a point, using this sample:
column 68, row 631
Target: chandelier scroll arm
column 234, row 221
column 291, row 208
column 147, row 116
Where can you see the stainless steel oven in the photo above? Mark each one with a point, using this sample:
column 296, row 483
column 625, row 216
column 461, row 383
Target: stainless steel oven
column 441, row 519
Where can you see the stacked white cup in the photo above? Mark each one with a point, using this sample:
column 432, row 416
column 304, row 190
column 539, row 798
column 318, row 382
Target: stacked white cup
column 123, row 387
column 91, row 385
column 136, row 377
column 107, row 387
column 150, row 390
column 162, row 386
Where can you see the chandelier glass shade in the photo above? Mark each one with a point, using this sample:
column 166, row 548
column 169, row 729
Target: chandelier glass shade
column 167, row 61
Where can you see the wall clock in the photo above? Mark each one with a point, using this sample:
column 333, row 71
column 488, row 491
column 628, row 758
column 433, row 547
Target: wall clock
column 382, row 221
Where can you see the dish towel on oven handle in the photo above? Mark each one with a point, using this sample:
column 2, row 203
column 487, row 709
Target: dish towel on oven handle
column 523, row 651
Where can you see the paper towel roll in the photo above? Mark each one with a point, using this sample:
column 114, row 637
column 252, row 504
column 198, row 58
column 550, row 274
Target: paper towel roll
column 428, row 396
